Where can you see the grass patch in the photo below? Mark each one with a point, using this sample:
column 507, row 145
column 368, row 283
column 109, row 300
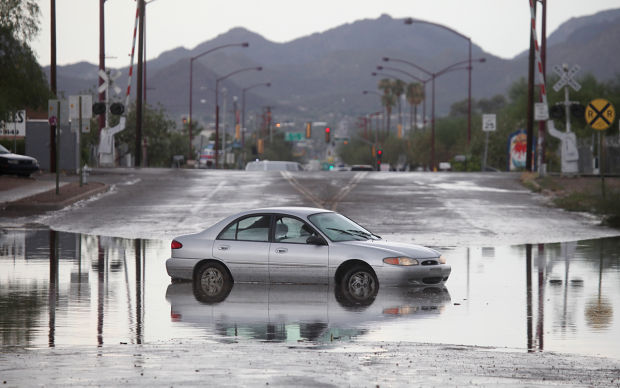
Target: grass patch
column 608, row 208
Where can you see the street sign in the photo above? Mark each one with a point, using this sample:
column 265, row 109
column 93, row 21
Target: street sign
column 600, row 114
column 541, row 111
column 294, row 136
column 87, row 107
column 566, row 77
column 489, row 122
column 52, row 111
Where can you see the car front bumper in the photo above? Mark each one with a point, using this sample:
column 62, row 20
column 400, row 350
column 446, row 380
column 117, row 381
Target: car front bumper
column 418, row 275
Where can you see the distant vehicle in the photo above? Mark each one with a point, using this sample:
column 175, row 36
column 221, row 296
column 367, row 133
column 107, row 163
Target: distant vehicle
column 304, row 246
column 445, row 166
column 362, row 167
column 341, row 167
column 206, row 158
column 21, row 165
column 273, row 165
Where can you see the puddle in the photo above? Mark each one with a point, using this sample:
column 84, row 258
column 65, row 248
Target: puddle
column 64, row 289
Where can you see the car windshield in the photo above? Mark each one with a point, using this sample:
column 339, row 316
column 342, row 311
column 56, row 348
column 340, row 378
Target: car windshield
column 4, row 150
column 339, row 228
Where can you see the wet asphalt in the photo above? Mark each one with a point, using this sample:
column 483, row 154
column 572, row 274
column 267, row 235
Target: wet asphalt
column 461, row 214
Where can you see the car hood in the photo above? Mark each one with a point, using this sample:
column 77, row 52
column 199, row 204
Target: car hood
column 16, row 157
column 395, row 249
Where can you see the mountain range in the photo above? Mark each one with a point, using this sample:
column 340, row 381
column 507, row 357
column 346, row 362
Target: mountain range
column 321, row 77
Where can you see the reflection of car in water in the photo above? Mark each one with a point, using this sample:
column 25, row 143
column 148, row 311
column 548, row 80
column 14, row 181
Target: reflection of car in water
column 304, row 246
column 284, row 312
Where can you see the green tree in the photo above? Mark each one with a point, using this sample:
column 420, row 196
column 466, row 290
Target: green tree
column 415, row 95
column 22, row 82
column 397, row 89
column 388, row 100
column 163, row 139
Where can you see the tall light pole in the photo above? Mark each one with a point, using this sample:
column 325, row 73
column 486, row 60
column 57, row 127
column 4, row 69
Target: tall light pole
column 267, row 84
column 191, row 74
column 469, row 67
column 217, row 106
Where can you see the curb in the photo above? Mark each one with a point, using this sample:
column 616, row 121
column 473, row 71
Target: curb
column 22, row 205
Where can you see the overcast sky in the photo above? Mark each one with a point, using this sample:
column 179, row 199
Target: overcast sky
column 498, row 26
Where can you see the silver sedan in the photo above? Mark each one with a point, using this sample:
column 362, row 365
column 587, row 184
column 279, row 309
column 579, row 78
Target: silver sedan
column 300, row 245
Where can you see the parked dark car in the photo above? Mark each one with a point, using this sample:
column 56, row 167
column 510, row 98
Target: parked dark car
column 21, row 165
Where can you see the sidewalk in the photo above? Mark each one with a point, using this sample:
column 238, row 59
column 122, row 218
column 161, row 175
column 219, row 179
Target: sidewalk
column 24, row 196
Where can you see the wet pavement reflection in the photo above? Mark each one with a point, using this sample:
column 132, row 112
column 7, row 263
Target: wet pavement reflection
column 63, row 289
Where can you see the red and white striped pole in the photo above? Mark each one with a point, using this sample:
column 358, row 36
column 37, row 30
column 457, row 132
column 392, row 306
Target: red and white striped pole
column 541, row 81
column 133, row 49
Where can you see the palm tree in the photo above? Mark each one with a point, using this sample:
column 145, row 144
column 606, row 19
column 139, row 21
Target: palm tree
column 415, row 95
column 387, row 100
column 398, row 88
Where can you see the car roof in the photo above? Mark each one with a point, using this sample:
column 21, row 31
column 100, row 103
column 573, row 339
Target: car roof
column 293, row 210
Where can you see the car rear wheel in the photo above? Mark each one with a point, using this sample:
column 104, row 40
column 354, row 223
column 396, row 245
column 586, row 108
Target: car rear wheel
column 212, row 283
column 360, row 284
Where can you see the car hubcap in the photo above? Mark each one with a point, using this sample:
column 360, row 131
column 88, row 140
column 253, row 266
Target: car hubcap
column 361, row 285
column 212, row 281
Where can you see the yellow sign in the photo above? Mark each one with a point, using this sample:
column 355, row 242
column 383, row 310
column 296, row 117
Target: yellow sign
column 600, row 114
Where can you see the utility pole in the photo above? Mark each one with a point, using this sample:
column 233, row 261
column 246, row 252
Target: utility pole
column 139, row 88
column 102, row 121
column 53, row 82
column 530, row 105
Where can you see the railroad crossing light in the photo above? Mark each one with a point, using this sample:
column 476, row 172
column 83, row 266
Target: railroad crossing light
column 117, row 108
column 327, row 133
column 308, row 130
column 99, row 108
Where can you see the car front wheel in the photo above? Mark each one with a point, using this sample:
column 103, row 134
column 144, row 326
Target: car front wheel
column 360, row 283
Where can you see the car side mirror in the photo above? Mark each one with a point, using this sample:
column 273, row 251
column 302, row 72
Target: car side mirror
column 316, row 240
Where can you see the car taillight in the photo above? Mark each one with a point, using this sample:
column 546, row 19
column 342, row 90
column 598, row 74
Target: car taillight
column 176, row 245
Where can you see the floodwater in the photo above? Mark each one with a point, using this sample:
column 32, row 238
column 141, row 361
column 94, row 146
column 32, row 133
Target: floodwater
column 62, row 289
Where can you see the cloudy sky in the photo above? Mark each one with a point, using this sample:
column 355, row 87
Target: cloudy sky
column 498, row 26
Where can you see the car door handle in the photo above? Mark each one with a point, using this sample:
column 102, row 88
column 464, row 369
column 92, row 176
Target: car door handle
column 223, row 248
column 281, row 250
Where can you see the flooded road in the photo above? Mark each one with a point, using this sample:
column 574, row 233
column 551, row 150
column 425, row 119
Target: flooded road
column 62, row 289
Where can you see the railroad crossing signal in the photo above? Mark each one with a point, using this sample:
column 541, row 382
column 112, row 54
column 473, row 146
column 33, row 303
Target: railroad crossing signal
column 566, row 77
column 600, row 114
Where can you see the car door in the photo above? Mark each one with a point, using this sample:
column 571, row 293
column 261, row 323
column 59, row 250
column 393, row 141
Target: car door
column 244, row 247
column 291, row 258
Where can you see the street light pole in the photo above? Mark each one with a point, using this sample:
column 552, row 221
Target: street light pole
column 267, row 84
column 469, row 67
column 191, row 83
column 217, row 106
column 452, row 67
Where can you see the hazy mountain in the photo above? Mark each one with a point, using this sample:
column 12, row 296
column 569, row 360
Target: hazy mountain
column 321, row 77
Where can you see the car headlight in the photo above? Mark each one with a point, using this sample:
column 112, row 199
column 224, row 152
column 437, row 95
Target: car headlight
column 408, row 261
column 442, row 260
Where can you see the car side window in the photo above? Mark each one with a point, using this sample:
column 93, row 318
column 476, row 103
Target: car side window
column 254, row 228
column 291, row 230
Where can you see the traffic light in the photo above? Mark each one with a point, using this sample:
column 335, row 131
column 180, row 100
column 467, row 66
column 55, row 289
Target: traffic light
column 308, row 130
column 379, row 156
column 327, row 134
column 117, row 108
column 184, row 120
column 260, row 146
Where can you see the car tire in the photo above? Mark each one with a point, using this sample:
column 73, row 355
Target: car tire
column 359, row 285
column 212, row 282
